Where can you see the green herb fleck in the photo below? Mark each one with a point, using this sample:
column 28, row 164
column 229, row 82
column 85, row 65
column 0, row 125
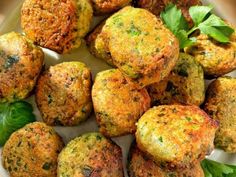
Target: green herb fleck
column 98, row 137
column 49, row 99
column 133, row 30
column 47, row 166
column 182, row 70
column 188, row 118
column 160, row 139
column 87, row 171
column 11, row 60
column 172, row 88
column 84, row 110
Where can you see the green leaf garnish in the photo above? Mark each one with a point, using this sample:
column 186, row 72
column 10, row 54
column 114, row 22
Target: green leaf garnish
column 215, row 169
column 203, row 20
column 199, row 13
column 14, row 116
column 174, row 19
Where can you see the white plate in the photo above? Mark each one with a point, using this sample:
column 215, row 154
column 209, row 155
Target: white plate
column 11, row 11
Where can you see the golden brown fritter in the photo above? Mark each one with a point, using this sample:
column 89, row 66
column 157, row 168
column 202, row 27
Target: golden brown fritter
column 32, row 151
column 144, row 52
column 90, row 154
column 176, row 135
column 221, row 105
column 55, row 24
column 185, row 84
column 117, row 104
column 157, row 6
column 91, row 40
column 140, row 165
column 20, row 65
column 102, row 7
column 63, row 94
column 216, row 58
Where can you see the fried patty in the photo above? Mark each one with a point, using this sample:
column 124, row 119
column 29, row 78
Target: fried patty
column 117, row 104
column 57, row 25
column 185, row 84
column 144, row 52
column 20, row 66
column 32, row 151
column 63, row 94
column 221, row 105
column 102, row 7
column 216, row 58
column 176, row 135
column 140, row 165
column 90, row 154
column 157, row 6
column 91, row 40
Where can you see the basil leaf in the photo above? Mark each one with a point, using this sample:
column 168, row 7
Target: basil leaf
column 199, row 13
column 14, row 116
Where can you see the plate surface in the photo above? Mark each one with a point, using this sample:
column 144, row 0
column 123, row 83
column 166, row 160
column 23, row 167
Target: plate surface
column 10, row 11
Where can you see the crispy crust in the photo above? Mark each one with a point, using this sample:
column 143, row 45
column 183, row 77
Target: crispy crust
column 220, row 105
column 147, row 52
column 140, row 165
column 184, row 85
column 91, row 40
column 117, row 104
column 32, row 151
column 102, row 7
column 191, row 138
column 20, row 66
column 63, row 94
column 91, row 154
column 57, row 25
column 216, row 59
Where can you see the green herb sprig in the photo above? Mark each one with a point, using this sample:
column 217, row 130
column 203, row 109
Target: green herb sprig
column 215, row 169
column 14, row 116
column 203, row 20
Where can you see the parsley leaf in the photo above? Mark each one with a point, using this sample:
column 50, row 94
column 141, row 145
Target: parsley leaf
column 199, row 13
column 174, row 19
column 215, row 169
column 185, row 41
column 216, row 28
column 204, row 21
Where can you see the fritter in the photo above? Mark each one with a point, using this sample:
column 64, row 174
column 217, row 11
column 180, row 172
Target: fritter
column 157, row 6
column 144, row 52
column 140, row 165
column 117, row 104
column 91, row 40
column 176, row 135
column 20, row 66
column 221, row 105
column 90, row 154
column 185, row 84
column 63, row 94
column 216, row 58
column 102, row 7
column 57, row 25
column 32, row 151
